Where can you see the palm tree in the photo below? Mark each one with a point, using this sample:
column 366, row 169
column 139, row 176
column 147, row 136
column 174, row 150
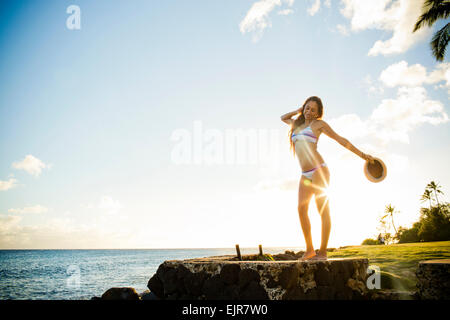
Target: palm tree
column 426, row 196
column 432, row 11
column 432, row 186
column 390, row 210
column 383, row 228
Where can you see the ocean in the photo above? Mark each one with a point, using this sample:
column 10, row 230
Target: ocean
column 82, row 274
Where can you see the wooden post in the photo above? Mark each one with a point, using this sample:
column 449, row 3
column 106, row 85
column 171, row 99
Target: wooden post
column 238, row 251
column 260, row 250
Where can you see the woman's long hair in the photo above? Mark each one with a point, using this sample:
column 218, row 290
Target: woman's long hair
column 301, row 119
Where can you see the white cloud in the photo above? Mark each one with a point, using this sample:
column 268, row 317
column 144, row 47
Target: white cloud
column 447, row 80
column 397, row 16
column 327, row 3
column 442, row 73
column 61, row 233
column 257, row 18
column 397, row 117
column 8, row 222
column 314, row 8
column 26, row 210
column 400, row 74
column 285, row 12
column 371, row 85
column 103, row 228
column 342, row 29
column 31, row 164
column 392, row 119
column 6, row 185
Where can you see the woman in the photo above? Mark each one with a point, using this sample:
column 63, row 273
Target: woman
column 304, row 133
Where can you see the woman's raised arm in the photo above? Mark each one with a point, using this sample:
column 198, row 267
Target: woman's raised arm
column 344, row 142
column 287, row 117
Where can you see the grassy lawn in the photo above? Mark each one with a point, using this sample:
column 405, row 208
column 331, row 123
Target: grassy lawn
column 397, row 262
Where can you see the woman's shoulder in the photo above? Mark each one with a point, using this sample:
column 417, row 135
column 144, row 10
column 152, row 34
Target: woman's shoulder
column 318, row 123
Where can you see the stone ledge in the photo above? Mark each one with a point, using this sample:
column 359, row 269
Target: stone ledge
column 439, row 261
column 433, row 279
column 220, row 278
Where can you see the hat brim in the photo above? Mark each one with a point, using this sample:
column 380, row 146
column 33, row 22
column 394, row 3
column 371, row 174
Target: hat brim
column 380, row 165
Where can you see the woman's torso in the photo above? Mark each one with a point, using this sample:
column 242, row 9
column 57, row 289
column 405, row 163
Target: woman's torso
column 305, row 144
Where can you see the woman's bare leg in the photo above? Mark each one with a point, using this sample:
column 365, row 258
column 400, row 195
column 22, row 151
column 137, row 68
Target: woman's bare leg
column 305, row 193
column 324, row 210
column 321, row 179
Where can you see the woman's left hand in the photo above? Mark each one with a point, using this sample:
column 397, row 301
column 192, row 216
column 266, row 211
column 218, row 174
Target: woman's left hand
column 369, row 158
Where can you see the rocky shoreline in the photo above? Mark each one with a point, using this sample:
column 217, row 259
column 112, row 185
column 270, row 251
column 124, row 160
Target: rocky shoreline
column 274, row 277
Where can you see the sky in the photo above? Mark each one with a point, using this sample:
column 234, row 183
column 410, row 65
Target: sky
column 156, row 124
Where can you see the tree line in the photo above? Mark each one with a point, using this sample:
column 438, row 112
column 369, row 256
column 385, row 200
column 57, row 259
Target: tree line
column 433, row 224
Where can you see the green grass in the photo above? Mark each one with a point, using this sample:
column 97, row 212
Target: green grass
column 397, row 262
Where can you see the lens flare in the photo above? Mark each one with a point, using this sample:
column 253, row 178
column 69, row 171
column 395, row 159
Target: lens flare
column 321, row 192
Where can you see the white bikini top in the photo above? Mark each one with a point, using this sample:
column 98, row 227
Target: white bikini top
column 306, row 135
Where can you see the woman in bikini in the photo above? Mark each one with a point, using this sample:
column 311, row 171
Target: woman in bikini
column 303, row 135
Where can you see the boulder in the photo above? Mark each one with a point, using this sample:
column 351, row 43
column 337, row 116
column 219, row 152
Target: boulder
column 148, row 295
column 126, row 293
column 433, row 279
column 225, row 278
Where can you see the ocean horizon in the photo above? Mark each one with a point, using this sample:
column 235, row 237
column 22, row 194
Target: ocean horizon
column 80, row 274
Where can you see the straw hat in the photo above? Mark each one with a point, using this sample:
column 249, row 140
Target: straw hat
column 376, row 171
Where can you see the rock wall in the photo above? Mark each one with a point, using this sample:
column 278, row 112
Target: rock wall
column 220, row 278
column 433, row 279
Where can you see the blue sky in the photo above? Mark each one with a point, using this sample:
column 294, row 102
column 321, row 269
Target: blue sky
column 88, row 118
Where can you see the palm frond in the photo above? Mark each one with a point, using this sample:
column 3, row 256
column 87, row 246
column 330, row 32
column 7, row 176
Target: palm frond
column 426, row 196
column 433, row 10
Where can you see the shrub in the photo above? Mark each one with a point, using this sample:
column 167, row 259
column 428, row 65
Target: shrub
column 370, row 242
column 409, row 235
column 433, row 225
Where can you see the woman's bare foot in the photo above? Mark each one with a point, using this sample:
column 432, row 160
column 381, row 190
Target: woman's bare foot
column 308, row 255
column 319, row 256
